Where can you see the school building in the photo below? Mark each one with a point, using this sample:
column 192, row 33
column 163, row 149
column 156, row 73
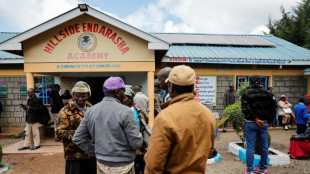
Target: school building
column 86, row 44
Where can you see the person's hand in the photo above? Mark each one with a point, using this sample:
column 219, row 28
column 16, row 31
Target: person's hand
column 260, row 123
column 155, row 105
column 25, row 106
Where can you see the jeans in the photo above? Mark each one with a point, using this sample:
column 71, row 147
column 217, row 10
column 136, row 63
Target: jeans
column 251, row 130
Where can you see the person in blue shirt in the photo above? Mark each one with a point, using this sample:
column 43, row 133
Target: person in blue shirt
column 302, row 116
column 142, row 119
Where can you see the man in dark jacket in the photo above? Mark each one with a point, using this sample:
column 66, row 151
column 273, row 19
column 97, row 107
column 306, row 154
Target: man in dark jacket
column 258, row 106
column 56, row 103
column 230, row 97
column 32, row 139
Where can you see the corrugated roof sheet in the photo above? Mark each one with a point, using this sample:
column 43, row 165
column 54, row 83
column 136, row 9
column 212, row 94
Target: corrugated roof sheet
column 195, row 48
column 3, row 37
column 7, row 35
column 213, row 39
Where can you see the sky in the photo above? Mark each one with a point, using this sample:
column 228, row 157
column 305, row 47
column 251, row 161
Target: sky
column 169, row 16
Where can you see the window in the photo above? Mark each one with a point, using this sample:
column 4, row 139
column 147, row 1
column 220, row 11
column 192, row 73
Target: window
column 43, row 87
column 264, row 81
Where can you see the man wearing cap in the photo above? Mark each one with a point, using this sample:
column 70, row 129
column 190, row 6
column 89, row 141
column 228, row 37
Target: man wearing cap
column 230, row 97
column 258, row 106
column 77, row 161
column 113, row 127
column 183, row 133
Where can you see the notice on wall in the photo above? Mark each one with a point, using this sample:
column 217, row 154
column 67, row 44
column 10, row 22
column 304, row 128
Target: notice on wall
column 22, row 90
column 205, row 86
column 3, row 90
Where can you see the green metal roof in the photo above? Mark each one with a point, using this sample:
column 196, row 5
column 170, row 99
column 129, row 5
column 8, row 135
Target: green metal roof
column 5, row 55
column 236, row 49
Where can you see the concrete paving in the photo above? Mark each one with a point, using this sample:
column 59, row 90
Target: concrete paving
column 47, row 146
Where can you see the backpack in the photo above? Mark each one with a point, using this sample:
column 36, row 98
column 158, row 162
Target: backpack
column 45, row 115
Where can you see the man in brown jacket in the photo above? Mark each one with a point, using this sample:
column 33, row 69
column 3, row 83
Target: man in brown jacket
column 183, row 133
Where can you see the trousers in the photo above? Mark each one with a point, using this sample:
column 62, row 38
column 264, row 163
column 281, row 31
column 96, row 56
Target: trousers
column 32, row 137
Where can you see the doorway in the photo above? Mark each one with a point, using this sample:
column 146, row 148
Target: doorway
column 95, row 84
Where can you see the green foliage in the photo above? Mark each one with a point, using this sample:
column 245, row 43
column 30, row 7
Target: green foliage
column 235, row 114
column 256, row 150
column 236, row 117
column 293, row 27
column 242, row 88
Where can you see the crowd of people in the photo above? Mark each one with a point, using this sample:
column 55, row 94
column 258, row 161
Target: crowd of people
column 110, row 135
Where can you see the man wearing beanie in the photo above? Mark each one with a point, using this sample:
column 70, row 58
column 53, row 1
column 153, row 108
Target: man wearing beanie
column 113, row 127
column 258, row 106
column 183, row 133
column 77, row 160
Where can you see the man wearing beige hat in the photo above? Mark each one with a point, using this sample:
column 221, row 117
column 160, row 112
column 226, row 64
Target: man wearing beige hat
column 71, row 116
column 183, row 133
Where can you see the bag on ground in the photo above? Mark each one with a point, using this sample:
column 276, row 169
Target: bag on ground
column 45, row 115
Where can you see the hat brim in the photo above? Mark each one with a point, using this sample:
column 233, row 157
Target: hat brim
column 108, row 90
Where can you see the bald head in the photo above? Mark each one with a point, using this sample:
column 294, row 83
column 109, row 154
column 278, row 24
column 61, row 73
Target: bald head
column 162, row 76
column 30, row 92
column 136, row 88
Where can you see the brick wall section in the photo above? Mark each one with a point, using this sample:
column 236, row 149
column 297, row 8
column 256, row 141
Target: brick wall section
column 13, row 115
column 294, row 87
column 223, row 83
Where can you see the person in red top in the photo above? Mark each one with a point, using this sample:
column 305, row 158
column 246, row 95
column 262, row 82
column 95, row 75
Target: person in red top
column 308, row 102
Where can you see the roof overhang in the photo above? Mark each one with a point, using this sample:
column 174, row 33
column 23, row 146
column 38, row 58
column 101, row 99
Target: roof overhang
column 14, row 44
column 239, row 61
column 11, row 61
column 307, row 71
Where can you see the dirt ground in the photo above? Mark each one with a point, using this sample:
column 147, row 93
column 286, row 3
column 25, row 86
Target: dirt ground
column 49, row 163
column 230, row 164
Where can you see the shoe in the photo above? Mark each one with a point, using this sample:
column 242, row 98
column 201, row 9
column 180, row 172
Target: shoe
column 246, row 172
column 34, row 147
column 260, row 171
column 286, row 127
column 22, row 133
column 23, row 148
column 224, row 129
column 289, row 126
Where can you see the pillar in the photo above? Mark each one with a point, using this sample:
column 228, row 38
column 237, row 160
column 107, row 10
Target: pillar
column 150, row 94
column 30, row 80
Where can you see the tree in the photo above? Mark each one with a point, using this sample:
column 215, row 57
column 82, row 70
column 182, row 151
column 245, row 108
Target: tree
column 293, row 27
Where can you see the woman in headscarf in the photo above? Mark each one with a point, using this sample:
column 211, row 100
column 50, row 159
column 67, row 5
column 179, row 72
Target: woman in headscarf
column 287, row 117
column 77, row 161
column 142, row 120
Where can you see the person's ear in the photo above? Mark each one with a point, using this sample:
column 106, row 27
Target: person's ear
column 116, row 93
